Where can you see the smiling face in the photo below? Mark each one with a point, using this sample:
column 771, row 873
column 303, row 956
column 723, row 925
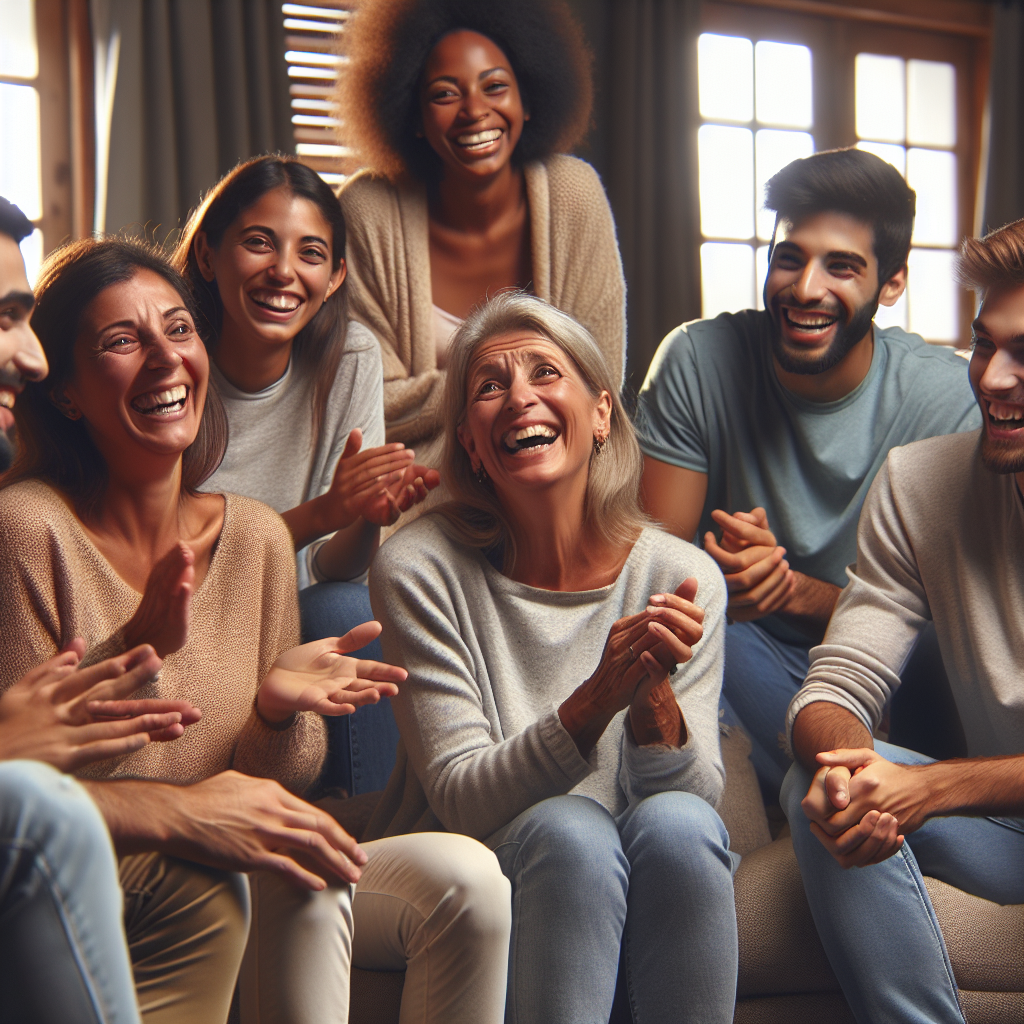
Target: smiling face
column 471, row 109
column 530, row 419
column 21, row 355
column 997, row 376
column 272, row 268
column 140, row 371
column 822, row 290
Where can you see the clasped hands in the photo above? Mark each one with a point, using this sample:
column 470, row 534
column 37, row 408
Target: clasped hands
column 378, row 484
column 757, row 574
column 861, row 805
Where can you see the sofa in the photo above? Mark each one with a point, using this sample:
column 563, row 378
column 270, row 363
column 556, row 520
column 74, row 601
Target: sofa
column 784, row 975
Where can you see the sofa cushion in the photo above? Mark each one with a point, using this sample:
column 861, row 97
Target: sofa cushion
column 741, row 807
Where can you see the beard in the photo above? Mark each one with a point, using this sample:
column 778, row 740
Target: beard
column 848, row 333
column 1001, row 456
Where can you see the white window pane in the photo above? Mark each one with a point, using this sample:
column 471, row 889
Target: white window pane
column 783, row 84
column 726, row 277
column 931, row 103
column 726, row 159
column 32, row 252
column 772, row 151
column 880, row 101
column 891, row 154
column 18, row 54
column 932, row 175
column 725, row 75
column 760, row 273
column 934, row 299
column 893, row 316
column 19, row 164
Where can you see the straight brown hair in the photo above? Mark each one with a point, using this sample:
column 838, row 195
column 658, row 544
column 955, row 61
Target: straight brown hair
column 995, row 261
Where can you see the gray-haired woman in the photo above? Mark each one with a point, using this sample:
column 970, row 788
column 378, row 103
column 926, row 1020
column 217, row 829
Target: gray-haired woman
column 542, row 618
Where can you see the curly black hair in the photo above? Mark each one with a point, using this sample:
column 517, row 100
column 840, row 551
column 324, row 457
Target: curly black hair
column 387, row 43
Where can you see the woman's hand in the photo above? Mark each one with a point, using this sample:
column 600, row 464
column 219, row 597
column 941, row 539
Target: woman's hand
column 318, row 677
column 163, row 615
column 70, row 717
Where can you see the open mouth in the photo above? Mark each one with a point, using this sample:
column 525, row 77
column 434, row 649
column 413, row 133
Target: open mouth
column 7, row 396
column 473, row 141
column 810, row 323
column 276, row 302
column 1004, row 416
column 162, row 403
column 527, row 439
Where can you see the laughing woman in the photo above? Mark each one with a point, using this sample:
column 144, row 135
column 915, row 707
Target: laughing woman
column 463, row 111
column 541, row 619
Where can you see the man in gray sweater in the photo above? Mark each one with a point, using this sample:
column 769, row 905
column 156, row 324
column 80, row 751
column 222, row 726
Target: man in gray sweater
column 941, row 539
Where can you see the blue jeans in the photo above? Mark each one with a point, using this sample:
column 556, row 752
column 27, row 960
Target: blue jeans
column 361, row 748
column 655, row 883
column 877, row 923
column 63, row 955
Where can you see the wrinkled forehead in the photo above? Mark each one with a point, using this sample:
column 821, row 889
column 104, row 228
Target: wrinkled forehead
column 513, row 348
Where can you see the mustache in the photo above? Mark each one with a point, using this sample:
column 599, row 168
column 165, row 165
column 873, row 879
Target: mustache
column 9, row 377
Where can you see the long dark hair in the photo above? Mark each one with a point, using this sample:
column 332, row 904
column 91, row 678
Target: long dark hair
column 59, row 450
column 319, row 346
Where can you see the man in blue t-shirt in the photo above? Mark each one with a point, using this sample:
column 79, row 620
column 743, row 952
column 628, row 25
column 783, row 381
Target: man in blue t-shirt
column 764, row 430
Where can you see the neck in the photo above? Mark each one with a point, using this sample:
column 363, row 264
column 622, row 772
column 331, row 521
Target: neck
column 143, row 508
column 553, row 550
column 247, row 361
column 836, row 383
column 475, row 205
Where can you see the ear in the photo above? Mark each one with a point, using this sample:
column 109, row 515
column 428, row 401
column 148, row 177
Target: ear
column 467, row 442
column 204, row 256
column 893, row 288
column 603, row 415
column 65, row 404
column 337, row 280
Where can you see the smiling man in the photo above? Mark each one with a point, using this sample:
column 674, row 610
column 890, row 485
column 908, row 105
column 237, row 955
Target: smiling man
column 941, row 540
column 764, row 430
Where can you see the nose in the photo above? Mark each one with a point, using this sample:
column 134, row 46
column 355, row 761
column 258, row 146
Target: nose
column 474, row 105
column 162, row 353
column 29, row 358
column 520, row 393
column 281, row 269
column 811, row 285
column 1002, row 374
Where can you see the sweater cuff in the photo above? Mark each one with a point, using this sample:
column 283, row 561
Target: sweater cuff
column 654, row 768
column 562, row 747
column 292, row 756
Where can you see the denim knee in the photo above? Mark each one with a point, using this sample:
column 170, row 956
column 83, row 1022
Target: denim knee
column 676, row 830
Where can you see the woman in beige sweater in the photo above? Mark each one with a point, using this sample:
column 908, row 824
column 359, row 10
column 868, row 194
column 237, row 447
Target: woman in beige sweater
column 108, row 538
column 460, row 110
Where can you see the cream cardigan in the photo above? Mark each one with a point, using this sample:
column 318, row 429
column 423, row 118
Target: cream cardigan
column 576, row 267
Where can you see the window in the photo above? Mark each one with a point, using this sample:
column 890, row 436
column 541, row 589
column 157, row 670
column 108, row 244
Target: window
column 20, row 174
column 311, row 38
column 892, row 78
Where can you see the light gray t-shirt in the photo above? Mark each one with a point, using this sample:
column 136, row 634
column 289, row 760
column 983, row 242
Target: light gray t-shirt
column 272, row 455
column 941, row 540
column 489, row 662
column 713, row 403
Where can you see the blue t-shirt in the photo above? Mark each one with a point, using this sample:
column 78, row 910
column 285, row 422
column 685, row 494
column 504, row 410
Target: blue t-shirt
column 712, row 403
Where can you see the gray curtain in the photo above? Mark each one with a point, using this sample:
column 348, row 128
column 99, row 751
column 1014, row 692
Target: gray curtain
column 644, row 144
column 1004, row 179
column 185, row 89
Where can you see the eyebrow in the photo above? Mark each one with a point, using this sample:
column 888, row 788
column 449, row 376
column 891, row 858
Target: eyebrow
column 455, row 81
column 845, row 254
column 977, row 325
column 166, row 315
column 273, row 234
column 26, row 299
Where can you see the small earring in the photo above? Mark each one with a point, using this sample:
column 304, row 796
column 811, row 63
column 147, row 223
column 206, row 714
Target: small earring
column 599, row 443
column 481, row 474
column 70, row 411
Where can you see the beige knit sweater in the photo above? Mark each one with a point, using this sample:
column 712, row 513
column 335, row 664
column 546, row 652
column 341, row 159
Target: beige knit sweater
column 55, row 585
column 576, row 267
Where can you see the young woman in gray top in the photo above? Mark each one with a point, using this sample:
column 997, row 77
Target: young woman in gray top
column 563, row 682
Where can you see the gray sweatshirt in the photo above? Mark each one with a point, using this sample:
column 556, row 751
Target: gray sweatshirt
column 489, row 662
column 272, row 455
column 940, row 538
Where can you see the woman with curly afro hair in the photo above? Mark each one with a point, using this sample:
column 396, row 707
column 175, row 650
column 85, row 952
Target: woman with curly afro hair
column 461, row 113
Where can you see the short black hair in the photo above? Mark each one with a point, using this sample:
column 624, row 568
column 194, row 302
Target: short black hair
column 388, row 43
column 13, row 222
column 854, row 182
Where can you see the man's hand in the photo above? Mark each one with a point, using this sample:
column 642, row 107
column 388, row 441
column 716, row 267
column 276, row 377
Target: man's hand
column 70, row 717
column 318, row 677
column 163, row 615
column 756, row 571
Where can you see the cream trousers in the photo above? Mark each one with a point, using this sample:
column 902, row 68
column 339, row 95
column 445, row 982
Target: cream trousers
column 432, row 904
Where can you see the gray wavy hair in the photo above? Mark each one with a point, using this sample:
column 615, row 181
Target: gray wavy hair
column 474, row 514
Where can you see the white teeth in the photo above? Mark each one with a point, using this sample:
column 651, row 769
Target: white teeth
column 155, row 399
column 7, row 399
column 513, row 437
column 1002, row 411
column 479, row 138
column 286, row 303
column 809, row 320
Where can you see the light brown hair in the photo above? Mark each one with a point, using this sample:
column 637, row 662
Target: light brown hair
column 995, row 261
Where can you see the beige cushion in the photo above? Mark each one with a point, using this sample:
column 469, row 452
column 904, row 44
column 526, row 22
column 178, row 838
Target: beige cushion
column 741, row 807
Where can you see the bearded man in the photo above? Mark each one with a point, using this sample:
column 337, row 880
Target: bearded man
column 763, row 431
column 941, row 540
